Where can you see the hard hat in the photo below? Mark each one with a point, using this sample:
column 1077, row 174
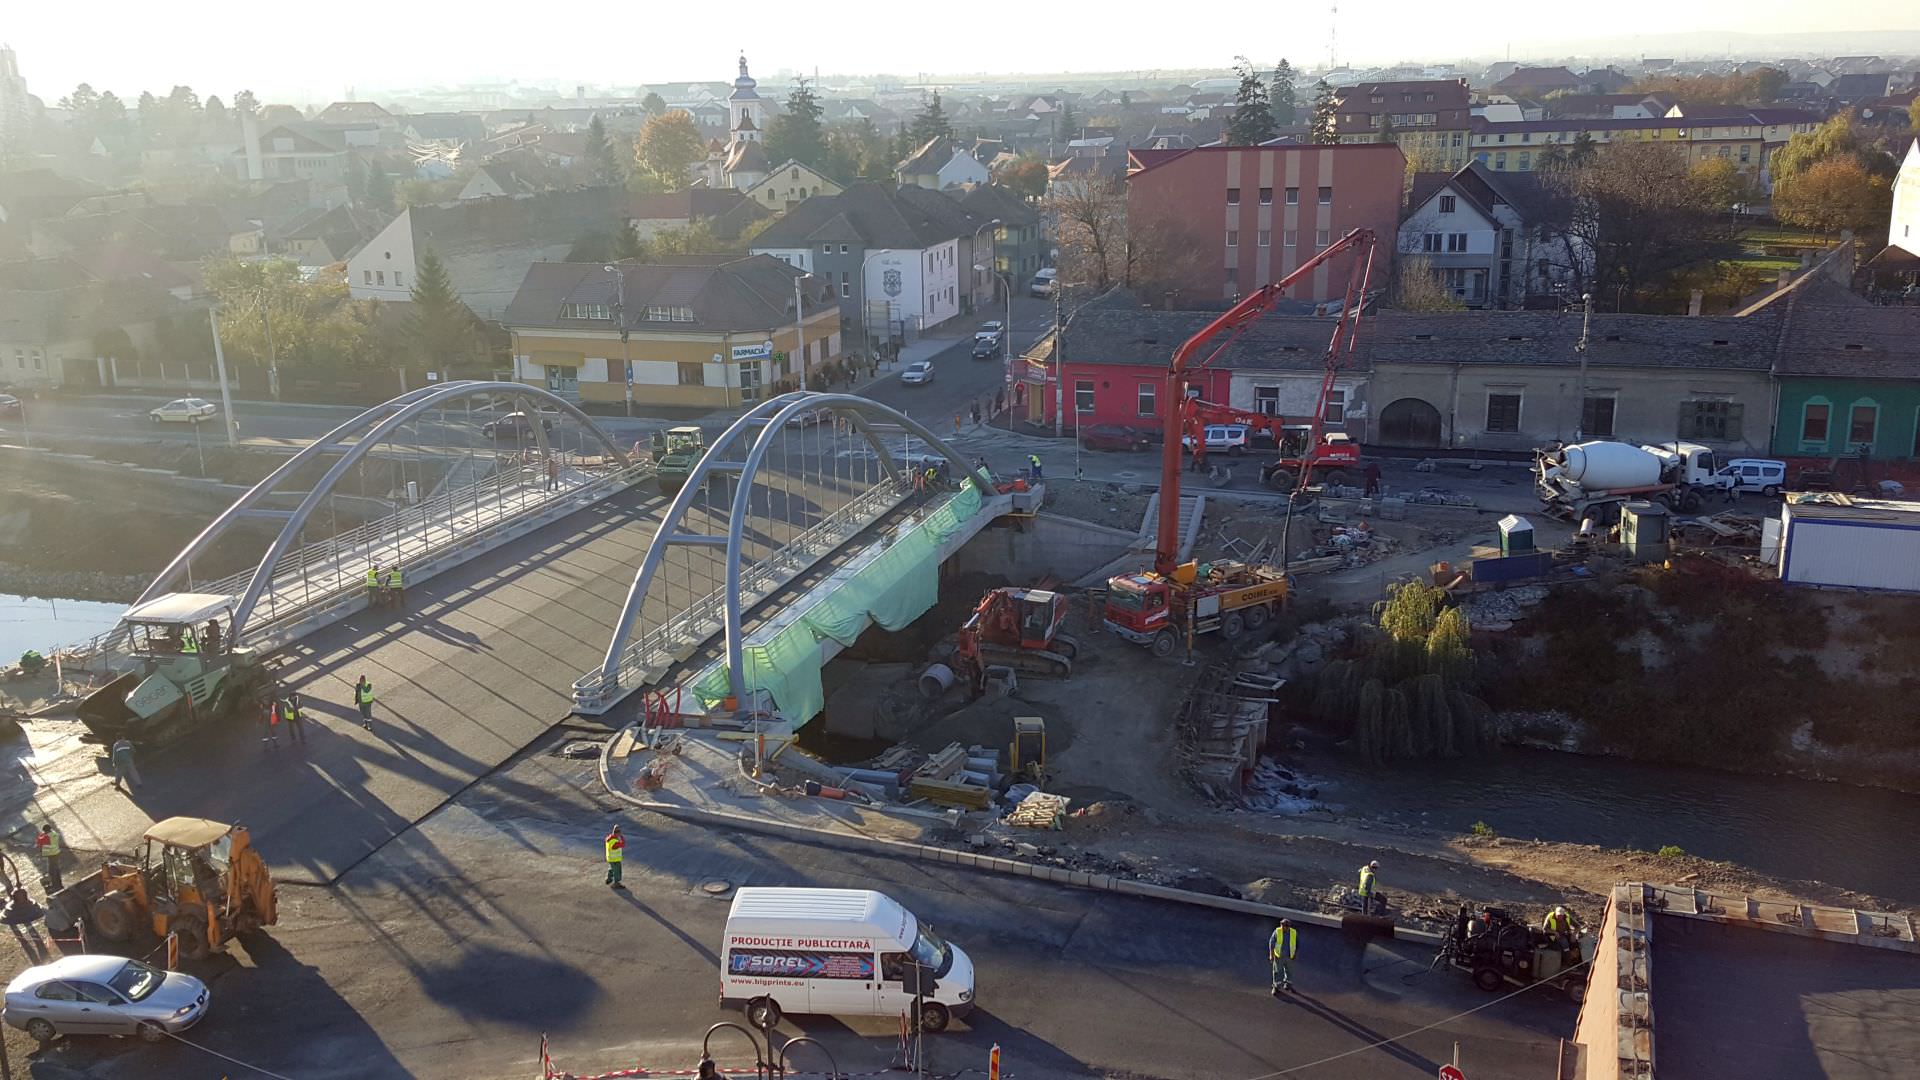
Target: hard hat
column 1286, row 922
column 1558, row 910
column 1375, row 864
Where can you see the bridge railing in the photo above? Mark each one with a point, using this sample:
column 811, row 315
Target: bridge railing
column 654, row 650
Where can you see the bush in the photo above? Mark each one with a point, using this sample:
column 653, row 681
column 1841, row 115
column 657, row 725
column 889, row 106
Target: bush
column 1481, row 828
column 1671, row 852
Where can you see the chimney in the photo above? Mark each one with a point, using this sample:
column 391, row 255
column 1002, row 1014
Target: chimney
column 250, row 133
column 1695, row 301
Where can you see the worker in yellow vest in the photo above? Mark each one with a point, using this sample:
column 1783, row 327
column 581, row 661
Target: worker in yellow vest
column 48, row 843
column 363, row 697
column 396, row 588
column 1281, row 949
column 1369, row 890
column 1558, row 926
column 373, row 585
column 616, row 853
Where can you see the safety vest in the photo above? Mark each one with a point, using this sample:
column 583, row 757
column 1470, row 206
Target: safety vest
column 1366, row 881
column 1557, row 923
column 373, row 577
column 363, row 694
column 290, row 710
column 1033, row 460
column 51, row 849
column 393, row 578
column 1286, row 943
column 188, row 645
column 615, row 846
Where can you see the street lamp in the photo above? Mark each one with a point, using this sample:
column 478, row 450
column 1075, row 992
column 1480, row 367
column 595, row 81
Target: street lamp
column 800, row 328
column 620, row 314
column 866, row 329
column 1006, row 332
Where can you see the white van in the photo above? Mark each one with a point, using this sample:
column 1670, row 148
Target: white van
column 1043, row 282
column 1764, row 475
column 838, row 952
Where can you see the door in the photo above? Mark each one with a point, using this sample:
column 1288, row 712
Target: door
column 895, row 996
column 1410, row 422
column 60, row 1004
column 104, row 1009
column 842, row 984
column 564, row 380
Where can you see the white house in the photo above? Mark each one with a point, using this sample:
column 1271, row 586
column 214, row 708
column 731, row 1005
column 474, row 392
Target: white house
column 790, row 183
column 1903, row 230
column 941, row 164
column 1482, row 233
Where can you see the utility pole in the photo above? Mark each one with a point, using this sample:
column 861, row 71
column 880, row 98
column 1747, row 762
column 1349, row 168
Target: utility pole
column 273, row 362
column 220, row 365
column 1580, row 397
column 1060, row 376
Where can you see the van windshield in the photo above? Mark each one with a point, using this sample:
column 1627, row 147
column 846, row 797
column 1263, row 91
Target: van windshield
column 930, row 952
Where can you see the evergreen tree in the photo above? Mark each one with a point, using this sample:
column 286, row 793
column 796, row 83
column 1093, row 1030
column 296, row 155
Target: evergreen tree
column 245, row 104
column 603, row 162
column 1322, row 125
column 1280, row 93
column 1388, row 133
column 216, row 112
column 1252, row 120
column 441, row 330
column 1069, row 123
column 628, row 247
column 654, row 104
column 797, row 135
column 379, row 188
column 930, row 124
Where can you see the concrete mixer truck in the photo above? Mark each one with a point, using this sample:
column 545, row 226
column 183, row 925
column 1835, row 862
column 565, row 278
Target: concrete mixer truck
column 1592, row 479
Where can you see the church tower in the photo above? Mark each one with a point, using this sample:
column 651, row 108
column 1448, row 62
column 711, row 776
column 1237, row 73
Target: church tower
column 747, row 114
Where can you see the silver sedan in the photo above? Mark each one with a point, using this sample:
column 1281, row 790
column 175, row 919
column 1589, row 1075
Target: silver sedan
column 103, row 995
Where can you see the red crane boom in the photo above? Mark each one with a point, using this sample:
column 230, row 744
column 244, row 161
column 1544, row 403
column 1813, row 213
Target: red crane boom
column 1237, row 318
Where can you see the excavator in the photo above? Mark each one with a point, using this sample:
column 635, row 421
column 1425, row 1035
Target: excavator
column 1175, row 601
column 1015, row 628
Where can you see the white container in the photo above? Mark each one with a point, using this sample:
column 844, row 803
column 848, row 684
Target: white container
column 1863, row 544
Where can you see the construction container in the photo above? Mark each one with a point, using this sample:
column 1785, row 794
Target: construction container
column 1832, row 539
column 1516, row 536
column 1643, row 530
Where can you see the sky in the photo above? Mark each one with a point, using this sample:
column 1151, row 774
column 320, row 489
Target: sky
column 317, row 52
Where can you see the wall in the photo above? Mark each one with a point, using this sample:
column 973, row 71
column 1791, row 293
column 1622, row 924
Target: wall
column 600, row 360
column 1596, row 1032
column 917, row 282
column 1116, row 392
column 1903, row 227
column 1049, row 546
column 1189, row 194
column 1298, row 393
column 1895, row 433
column 390, row 250
column 1646, row 401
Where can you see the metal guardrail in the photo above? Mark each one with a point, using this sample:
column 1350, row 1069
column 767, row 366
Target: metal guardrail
column 653, row 651
column 504, row 496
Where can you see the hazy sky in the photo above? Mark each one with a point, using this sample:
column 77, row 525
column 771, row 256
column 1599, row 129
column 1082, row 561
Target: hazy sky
column 316, row 51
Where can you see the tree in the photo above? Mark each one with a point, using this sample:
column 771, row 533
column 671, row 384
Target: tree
column 1280, row 91
column 1410, row 693
column 1837, row 139
column 931, row 123
column 1419, row 288
column 245, row 104
column 1835, row 194
column 1252, row 121
column 441, row 327
column 216, row 112
column 82, row 101
column 1026, row 175
column 1761, row 86
column 1067, row 124
column 1090, row 216
column 1643, row 215
column 1322, row 123
column 669, row 146
column 1387, row 132
column 797, row 135
column 1162, row 259
column 603, row 162
column 1722, row 182
column 378, row 188
column 627, row 245
column 654, row 104
column 313, row 323
column 1913, row 112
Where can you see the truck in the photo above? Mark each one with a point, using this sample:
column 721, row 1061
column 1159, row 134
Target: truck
column 675, row 453
column 186, row 673
column 202, row 881
column 1158, row 611
column 1591, row 479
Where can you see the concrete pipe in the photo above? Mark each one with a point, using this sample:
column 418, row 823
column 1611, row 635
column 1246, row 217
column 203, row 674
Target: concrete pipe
column 983, row 779
column 936, row 680
column 983, row 764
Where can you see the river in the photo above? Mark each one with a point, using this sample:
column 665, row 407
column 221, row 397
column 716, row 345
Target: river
column 1856, row 837
column 35, row 622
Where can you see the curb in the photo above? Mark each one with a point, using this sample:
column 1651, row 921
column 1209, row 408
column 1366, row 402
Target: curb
column 1077, row 879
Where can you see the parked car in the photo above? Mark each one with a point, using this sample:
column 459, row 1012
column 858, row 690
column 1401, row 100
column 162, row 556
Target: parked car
column 1114, row 437
column 186, row 410
column 514, row 425
column 1231, row 438
column 991, row 331
column 1764, row 475
column 918, row 373
column 1043, row 282
column 10, row 407
column 985, row 348
column 103, row 995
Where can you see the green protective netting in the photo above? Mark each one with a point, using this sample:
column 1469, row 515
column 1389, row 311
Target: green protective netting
column 891, row 591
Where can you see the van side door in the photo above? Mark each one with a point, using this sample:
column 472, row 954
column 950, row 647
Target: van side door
column 842, row 983
column 897, row 975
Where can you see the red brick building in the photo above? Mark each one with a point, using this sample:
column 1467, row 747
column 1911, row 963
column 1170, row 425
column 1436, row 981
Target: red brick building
column 1260, row 211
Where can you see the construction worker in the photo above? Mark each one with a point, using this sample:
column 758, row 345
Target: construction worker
column 1369, row 891
column 363, row 697
column 270, row 738
column 396, row 588
column 189, row 645
column 1033, row 466
column 933, row 478
column 1558, row 926
column 616, row 852
column 373, row 585
column 123, row 766
column 212, row 637
column 48, row 844
column 1281, row 949
column 296, row 720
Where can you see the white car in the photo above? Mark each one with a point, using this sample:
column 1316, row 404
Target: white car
column 1043, row 282
column 1231, row 438
column 186, row 410
column 918, row 373
column 989, row 331
column 103, row 995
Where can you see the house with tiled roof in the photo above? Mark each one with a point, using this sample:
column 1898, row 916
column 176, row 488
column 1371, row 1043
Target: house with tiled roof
column 940, row 163
column 80, row 335
column 294, row 152
column 352, row 113
column 1484, row 236
column 1538, row 82
column 1848, row 374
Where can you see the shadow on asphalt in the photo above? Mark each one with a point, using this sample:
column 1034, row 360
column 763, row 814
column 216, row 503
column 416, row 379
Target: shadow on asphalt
column 1337, row 1019
column 547, row 994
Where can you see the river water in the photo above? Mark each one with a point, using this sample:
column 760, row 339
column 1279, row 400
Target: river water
column 34, row 622
column 1856, row 837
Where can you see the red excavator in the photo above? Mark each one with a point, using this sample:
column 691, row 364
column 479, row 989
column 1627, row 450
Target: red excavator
column 1016, row 628
column 1174, row 601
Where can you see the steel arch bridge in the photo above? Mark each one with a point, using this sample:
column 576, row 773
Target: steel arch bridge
column 741, row 459
column 432, row 527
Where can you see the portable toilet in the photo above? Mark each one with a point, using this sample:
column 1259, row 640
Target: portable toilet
column 1643, row 530
column 1516, row 536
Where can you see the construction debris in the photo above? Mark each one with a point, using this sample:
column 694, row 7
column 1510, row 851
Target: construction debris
column 946, row 780
column 1223, row 724
column 1040, row 810
column 1432, row 496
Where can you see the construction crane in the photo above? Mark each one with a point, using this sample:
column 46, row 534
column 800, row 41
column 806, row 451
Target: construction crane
column 1172, row 601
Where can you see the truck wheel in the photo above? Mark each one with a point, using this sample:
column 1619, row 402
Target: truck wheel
column 1233, row 625
column 1236, row 451
column 933, row 1017
column 192, row 933
column 763, row 1013
column 1689, row 502
column 1279, row 480
column 1577, row 991
column 1163, row 643
column 1337, row 476
column 1489, row 979
column 1256, row 616
column 113, row 915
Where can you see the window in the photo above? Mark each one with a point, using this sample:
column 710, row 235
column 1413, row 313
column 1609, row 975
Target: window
column 1503, row 412
column 844, row 249
column 846, row 287
column 1290, row 237
column 1503, row 137
column 1266, row 400
column 1746, row 154
column 749, row 380
column 366, row 277
column 1456, row 242
column 1293, row 196
column 1233, row 237
column 1862, row 420
column 1430, row 242
column 1266, row 196
column 1083, row 395
column 585, row 311
column 1233, row 196
column 1813, row 423
column 1326, row 196
column 39, row 361
column 1266, row 237
column 1526, row 160
column 1456, row 138
column 826, row 249
column 1143, row 400
column 1500, row 161
column 379, row 277
column 1319, row 239
column 1596, row 418
column 1447, row 203
column 396, row 278
column 1335, row 410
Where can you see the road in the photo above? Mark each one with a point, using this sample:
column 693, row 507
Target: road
column 451, row 951
column 959, row 379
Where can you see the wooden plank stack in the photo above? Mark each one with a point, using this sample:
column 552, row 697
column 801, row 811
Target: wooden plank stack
column 943, row 780
column 1040, row 811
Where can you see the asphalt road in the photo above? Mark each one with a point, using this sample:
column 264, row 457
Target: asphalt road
column 449, row 952
column 958, row 378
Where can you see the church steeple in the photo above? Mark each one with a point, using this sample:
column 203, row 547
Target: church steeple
column 746, row 109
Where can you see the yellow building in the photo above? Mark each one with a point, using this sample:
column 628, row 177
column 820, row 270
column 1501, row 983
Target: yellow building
column 714, row 331
column 1516, row 147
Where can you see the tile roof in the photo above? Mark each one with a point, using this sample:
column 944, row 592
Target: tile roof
column 1831, row 332
column 683, row 205
column 877, row 216
column 81, row 312
column 726, row 292
column 988, row 201
column 930, row 158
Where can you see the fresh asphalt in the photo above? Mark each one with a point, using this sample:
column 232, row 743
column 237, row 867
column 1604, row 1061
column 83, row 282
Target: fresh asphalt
column 449, row 952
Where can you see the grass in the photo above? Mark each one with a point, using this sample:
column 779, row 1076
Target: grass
column 1770, row 263
column 1671, row 852
column 1481, row 828
column 1781, row 234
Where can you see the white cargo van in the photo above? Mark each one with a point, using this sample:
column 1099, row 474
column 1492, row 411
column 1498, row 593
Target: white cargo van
column 1764, row 475
column 838, row 952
